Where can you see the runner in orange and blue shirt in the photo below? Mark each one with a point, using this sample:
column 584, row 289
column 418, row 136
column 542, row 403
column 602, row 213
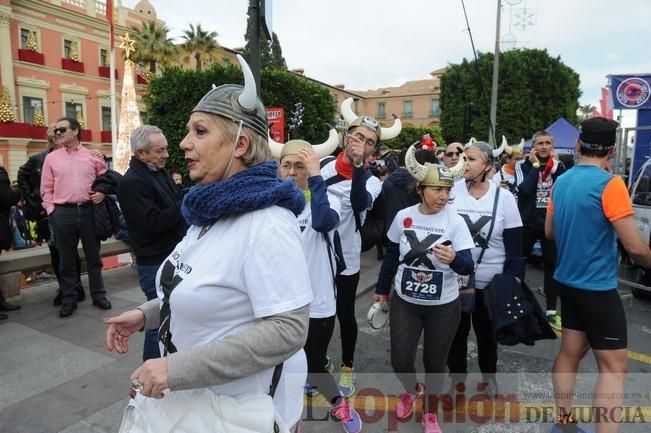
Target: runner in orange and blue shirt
column 589, row 208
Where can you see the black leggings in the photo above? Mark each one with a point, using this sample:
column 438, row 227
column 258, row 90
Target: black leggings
column 486, row 343
column 407, row 322
column 346, row 289
column 316, row 350
column 530, row 236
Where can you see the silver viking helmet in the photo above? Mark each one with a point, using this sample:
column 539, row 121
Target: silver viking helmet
column 280, row 150
column 433, row 174
column 236, row 102
column 382, row 133
column 515, row 150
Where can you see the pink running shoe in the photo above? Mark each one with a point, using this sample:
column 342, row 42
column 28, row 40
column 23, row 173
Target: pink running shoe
column 406, row 402
column 430, row 424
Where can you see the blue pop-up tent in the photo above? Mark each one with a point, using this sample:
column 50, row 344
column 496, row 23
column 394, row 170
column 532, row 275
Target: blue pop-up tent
column 565, row 135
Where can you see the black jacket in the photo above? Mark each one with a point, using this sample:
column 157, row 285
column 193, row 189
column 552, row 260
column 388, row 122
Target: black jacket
column 399, row 193
column 29, row 184
column 515, row 313
column 527, row 190
column 8, row 198
column 107, row 213
column 151, row 205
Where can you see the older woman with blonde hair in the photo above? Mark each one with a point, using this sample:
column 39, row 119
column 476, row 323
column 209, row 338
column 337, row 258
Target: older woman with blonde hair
column 233, row 296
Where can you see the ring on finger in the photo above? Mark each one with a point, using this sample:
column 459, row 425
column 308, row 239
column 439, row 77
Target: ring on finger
column 136, row 385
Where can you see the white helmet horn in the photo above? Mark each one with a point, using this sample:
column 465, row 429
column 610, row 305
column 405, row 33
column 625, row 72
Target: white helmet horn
column 497, row 152
column 460, row 167
column 347, row 110
column 393, row 131
column 418, row 170
column 274, row 147
column 328, row 146
column 248, row 97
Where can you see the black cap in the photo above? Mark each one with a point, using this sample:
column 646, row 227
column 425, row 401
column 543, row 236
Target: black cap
column 598, row 132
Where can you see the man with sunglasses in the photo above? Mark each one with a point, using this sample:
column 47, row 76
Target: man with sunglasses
column 348, row 178
column 452, row 152
column 535, row 178
column 66, row 180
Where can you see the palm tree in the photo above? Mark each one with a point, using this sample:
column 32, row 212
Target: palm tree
column 199, row 42
column 585, row 111
column 152, row 45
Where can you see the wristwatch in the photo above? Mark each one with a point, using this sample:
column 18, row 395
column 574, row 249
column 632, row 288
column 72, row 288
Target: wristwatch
column 536, row 164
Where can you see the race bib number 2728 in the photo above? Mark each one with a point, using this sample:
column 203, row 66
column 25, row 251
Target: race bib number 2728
column 424, row 285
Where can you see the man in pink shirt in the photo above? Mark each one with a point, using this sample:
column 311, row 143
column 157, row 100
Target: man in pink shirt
column 66, row 180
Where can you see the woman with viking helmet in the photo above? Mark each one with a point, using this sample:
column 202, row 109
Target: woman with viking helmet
column 318, row 221
column 475, row 201
column 428, row 245
column 512, row 157
column 233, row 296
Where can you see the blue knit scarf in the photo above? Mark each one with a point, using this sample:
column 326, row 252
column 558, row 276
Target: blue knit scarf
column 254, row 188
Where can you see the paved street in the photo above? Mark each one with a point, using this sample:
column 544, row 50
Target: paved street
column 56, row 375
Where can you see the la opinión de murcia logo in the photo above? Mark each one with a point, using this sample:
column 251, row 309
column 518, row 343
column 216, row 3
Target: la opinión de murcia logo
column 633, row 92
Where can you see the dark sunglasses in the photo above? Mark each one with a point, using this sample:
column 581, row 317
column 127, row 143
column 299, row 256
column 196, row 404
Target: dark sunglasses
column 61, row 130
column 451, row 154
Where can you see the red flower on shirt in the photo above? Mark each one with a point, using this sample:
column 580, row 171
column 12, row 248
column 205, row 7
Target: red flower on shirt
column 407, row 222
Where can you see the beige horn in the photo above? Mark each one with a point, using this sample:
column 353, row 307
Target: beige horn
column 521, row 145
column 347, row 110
column 275, row 147
column 329, row 146
column 393, row 131
column 497, row 152
column 460, row 168
column 415, row 168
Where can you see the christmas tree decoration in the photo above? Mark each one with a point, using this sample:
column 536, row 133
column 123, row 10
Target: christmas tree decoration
column 74, row 52
column 32, row 44
column 129, row 112
column 38, row 119
column 7, row 113
column 80, row 119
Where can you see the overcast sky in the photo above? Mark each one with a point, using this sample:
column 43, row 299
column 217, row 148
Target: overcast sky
column 366, row 44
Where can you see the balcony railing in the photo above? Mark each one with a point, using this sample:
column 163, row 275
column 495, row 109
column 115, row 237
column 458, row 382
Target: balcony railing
column 78, row 3
column 100, row 7
column 407, row 114
column 381, row 115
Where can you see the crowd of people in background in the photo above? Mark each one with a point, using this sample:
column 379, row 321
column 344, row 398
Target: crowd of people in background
column 262, row 255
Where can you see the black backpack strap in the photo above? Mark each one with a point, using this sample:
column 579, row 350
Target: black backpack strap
column 275, row 379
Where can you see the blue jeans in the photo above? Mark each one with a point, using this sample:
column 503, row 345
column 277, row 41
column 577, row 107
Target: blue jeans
column 147, row 280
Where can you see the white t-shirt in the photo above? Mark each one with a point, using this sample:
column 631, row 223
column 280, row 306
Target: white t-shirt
column 351, row 240
column 243, row 268
column 425, row 280
column 316, row 254
column 477, row 213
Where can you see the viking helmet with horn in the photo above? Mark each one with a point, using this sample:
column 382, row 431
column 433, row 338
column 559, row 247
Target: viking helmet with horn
column 280, row 150
column 432, row 174
column 515, row 150
column 240, row 104
column 368, row 122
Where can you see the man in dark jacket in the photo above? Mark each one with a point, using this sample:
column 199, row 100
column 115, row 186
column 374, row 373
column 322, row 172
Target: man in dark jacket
column 535, row 177
column 151, row 205
column 8, row 198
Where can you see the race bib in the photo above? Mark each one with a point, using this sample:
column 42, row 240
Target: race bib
column 542, row 198
column 421, row 284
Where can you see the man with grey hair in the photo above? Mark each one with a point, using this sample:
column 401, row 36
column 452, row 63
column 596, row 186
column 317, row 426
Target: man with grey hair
column 151, row 205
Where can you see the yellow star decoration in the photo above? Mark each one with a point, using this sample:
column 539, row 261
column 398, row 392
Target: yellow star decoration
column 126, row 44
